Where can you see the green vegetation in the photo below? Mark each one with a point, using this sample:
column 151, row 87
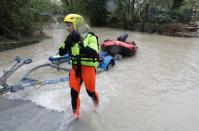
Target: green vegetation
column 140, row 15
column 17, row 17
column 94, row 10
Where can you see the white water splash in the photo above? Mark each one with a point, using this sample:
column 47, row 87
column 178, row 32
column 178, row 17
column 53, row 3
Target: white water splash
column 57, row 96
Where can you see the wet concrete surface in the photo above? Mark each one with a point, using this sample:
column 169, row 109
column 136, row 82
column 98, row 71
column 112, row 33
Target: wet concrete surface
column 20, row 115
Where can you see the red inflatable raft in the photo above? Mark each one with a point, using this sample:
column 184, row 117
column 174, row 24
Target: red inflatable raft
column 114, row 47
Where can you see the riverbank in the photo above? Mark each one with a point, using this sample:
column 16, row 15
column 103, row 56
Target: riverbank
column 175, row 29
column 170, row 29
column 179, row 30
column 36, row 37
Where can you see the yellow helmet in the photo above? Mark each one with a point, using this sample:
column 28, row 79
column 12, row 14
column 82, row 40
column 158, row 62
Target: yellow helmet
column 75, row 19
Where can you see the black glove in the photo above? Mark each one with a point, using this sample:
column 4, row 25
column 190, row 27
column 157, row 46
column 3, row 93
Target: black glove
column 68, row 42
column 71, row 39
column 75, row 37
column 62, row 51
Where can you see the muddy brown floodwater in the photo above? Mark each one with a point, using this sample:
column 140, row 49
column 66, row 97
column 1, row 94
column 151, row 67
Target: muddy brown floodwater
column 155, row 90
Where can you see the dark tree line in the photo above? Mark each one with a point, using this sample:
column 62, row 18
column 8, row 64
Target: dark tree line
column 130, row 13
column 17, row 17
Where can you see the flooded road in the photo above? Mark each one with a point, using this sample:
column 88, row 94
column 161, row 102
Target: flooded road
column 155, row 90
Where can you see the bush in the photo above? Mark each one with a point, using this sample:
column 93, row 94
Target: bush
column 18, row 16
column 184, row 15
column 94, row 10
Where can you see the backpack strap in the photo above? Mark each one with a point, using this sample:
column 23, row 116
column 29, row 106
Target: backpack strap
column 93, row 34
